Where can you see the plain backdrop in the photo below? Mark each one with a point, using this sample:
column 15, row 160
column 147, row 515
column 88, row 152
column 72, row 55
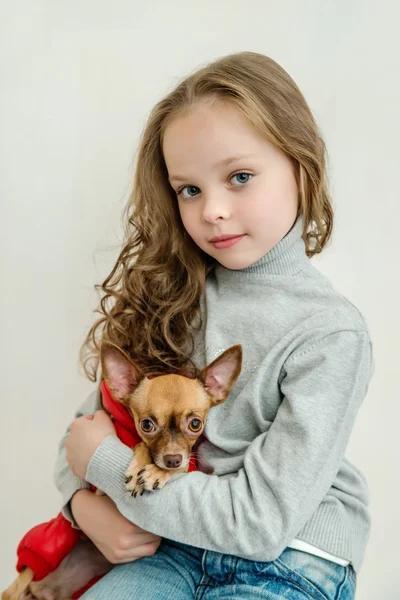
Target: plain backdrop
column 77, row 82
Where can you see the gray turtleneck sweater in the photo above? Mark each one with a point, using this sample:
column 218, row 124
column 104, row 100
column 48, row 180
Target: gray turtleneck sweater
column 277, row 445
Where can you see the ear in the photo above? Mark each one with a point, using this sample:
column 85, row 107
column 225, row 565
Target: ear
column 119, row 372
column 221, row 375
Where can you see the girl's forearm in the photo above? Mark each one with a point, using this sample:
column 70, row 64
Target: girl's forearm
column 81, row 503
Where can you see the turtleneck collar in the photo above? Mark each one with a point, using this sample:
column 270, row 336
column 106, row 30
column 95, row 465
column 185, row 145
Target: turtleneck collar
column 287, row 257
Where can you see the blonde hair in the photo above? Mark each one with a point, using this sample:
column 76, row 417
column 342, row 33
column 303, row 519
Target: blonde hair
column 150, row 305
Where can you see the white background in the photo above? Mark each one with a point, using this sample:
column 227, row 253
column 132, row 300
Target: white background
column 77, row 81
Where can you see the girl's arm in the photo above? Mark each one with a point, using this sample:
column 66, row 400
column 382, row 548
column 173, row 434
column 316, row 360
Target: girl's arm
column 67, row 483
column 287, row 471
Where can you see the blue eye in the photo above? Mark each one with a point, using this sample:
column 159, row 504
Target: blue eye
column 193, row 187
column 242, row 173
column 190, row 187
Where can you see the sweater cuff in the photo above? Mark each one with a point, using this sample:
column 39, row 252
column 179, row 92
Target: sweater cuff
column 106, row 469
column 71, row 485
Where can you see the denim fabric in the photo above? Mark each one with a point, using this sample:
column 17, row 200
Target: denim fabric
column 180, row 572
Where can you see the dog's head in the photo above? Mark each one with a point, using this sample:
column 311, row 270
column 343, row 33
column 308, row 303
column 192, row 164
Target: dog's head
column 170, row 411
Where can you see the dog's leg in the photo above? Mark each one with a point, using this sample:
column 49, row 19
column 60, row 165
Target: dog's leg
column 141, row 458
column 19, row 586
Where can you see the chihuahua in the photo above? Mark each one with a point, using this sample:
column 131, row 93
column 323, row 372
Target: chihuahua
column 170, row 412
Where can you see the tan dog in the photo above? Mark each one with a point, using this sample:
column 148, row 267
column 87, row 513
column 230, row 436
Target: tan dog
column 170, row 412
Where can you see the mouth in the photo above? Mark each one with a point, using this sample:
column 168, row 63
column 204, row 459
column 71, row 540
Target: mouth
column 226, row 242
column 222, row 238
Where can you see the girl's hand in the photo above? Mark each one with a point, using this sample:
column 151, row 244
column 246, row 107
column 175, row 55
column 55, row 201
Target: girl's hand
column 118, row 539
column 86, row 434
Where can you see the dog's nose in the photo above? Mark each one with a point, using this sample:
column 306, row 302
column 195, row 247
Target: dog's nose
column 173, row 461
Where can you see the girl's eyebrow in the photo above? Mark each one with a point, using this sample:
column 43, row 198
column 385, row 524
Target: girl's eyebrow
column 225, row 162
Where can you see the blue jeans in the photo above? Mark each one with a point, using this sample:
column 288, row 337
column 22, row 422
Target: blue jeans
column 181, row 572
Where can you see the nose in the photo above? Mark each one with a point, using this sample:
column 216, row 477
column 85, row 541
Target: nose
column 216, row 209
column 173, row 461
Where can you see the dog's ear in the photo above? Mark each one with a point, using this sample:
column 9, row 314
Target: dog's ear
column 220, row 376
column 119, row 372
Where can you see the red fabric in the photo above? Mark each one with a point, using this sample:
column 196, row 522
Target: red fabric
column 44, row 546
column 56, row 537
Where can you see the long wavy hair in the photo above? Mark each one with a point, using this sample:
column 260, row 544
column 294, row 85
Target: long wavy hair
column 150, row 305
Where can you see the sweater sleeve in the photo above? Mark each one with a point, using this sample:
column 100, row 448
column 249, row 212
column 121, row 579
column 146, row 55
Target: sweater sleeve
column 67, row 483
column 256, row 512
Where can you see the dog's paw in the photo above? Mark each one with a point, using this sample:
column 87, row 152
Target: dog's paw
column 153, row 478
column 43, row 592
column 26, row 595
column 132, row 476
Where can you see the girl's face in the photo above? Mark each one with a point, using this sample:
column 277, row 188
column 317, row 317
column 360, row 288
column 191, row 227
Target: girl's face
column 229, row 181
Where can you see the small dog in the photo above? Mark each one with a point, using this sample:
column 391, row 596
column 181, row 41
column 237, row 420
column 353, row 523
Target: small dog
column 170, row 412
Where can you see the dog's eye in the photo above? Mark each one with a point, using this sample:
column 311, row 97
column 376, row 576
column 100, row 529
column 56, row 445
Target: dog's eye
column 195, row 425
column 147, row 426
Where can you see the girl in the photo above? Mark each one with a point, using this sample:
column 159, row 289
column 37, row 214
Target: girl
column 276, row 509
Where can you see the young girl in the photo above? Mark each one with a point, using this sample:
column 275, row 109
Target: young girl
column 276, row 509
